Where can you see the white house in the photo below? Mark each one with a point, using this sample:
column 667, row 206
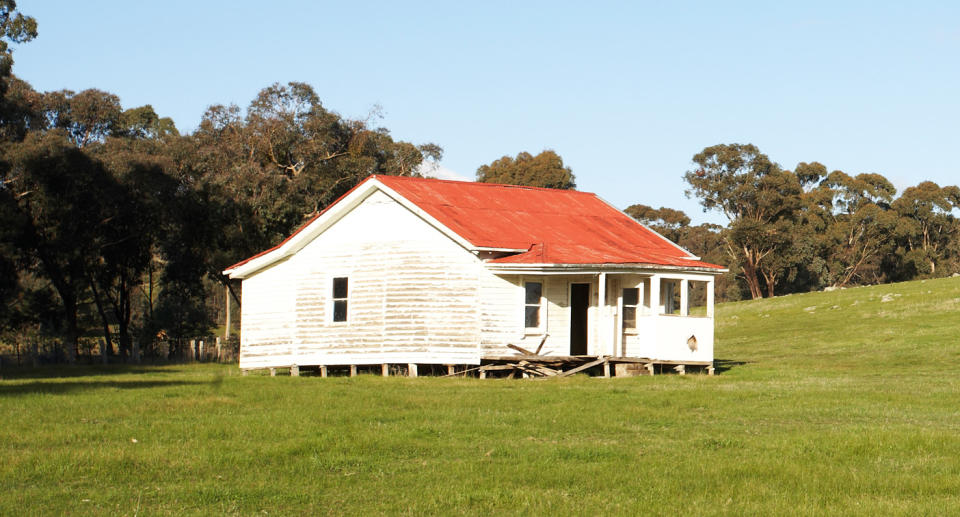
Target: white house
column 407, row 270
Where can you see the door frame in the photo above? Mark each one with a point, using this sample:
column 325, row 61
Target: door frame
column 586, row 320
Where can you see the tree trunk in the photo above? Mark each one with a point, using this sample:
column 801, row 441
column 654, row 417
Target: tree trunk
column 771, row 281
column 753, row 282
column 72, row 334
column 106, row 346
column 123, row 316
column 747, row 266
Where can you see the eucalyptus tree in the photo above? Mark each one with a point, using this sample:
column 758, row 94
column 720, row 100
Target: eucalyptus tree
column 927, row 231
column 543, row 170
column 60, row 197
column 858, row 226
column 283, row 160
column 15, row 27
column 759, row 199
column 668, row 222
column 134, row 238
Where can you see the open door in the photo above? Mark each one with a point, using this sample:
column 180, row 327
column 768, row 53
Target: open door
column 579, row 306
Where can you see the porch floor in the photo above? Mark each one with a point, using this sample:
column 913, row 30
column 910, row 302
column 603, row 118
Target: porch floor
column 535, row 365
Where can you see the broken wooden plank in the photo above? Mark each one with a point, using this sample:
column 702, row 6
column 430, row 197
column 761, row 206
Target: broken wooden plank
column 542, row 341
column 582, row 367
column 492, row 367
column 522, row 350
column 538, row 369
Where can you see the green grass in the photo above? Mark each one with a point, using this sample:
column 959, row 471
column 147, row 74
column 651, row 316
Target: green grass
column 828, row 403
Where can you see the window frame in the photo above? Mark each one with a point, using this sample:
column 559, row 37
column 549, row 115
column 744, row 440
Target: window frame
column 542, row 306
column 671, row 296
column 635, row 306
column 332, row 300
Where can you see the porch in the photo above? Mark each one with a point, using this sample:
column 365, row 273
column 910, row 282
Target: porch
column 648, row 315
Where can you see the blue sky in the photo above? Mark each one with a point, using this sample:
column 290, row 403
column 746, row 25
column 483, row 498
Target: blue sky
column 625, row 92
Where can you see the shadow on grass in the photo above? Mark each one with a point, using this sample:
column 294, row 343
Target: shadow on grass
column 62, row 388
column 65, row 371
column 725, row 365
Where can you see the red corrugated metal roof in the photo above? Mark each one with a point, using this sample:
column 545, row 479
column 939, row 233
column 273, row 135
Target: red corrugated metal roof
column 553, row 226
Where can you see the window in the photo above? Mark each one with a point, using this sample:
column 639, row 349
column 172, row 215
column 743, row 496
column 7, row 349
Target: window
column 697, row 298
column 631, row 298
column 532, row 304
column 670, row 296
column 340, row 299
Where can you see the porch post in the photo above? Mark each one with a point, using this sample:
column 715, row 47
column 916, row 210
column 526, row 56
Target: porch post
column 618, row 321
column 226, row 330
column 710, row 297
column 655, row 294
column 601, row 313
column 684, row 297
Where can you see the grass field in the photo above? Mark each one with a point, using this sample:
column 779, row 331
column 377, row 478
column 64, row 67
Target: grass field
column 827, row 403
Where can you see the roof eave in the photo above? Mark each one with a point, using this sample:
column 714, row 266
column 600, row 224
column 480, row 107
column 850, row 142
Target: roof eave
column 595, row 268
column 332, row 214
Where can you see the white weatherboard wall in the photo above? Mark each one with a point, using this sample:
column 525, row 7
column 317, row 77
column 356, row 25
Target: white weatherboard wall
column 662, row 336
column 414, row 297
column 268, row 313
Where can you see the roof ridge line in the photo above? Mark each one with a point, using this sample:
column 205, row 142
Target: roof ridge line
column 483, row 184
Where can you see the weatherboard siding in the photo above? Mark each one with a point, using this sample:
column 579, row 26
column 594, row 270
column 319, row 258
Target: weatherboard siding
column 267, row 312
column 414, row 296
column 501, row 312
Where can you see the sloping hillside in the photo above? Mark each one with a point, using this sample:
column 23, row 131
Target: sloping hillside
column 904, row 329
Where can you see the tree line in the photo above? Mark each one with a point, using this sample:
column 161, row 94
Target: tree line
column 114, row 227
column 809, row 228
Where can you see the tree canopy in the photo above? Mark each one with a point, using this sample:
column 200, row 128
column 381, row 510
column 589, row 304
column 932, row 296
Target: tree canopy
column 804, row 229
column 543, row 170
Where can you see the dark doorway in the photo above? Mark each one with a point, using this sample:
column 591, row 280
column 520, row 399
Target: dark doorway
column 579, row 303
